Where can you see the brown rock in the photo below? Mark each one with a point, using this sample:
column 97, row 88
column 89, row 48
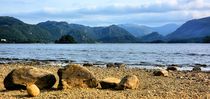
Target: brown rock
column 32, row 90
column 172, row 68
column 129, row 82
column 161, row 72
column 74, row 75
column 18, row 78
column 109, row 83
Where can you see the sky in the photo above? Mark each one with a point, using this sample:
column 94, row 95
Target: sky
column 106, row 12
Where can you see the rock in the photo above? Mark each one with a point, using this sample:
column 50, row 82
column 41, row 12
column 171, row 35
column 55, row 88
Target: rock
column 60, row 84
column 110, row 65
column 172, row 68
column 129, row 82
column 74, row 75
column 88, row 65
column 197, row 69
column 161, row 72
column 18, row 78
column 114, row 65
column 200, row 65
column 109, row 83
column 174, row 65
column 32, row 90
column 119, row 65
column 207, row 96
column 159, row 65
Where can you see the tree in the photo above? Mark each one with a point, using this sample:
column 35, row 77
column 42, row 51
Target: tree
column 66, row 39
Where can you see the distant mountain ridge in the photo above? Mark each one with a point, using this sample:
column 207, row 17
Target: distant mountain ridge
column 154, row 36
column 136, row 30
column 197, row 28
column 86, row 34
column 13, row 30
column 142, row 30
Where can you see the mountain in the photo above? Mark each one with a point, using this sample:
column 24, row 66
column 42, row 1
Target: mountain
column 58, row 29
column 154, row 36
column 136, row 30
column 193, row 29
column 84, row 34
column 141, row 30
column 14, row 30
column 166, row 29
column 113, row 34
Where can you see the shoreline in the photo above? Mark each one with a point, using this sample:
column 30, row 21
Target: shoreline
column 141, row 65
column 179, row 84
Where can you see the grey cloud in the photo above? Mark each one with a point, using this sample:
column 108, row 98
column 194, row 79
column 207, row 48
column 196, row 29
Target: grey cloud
column 142, row 14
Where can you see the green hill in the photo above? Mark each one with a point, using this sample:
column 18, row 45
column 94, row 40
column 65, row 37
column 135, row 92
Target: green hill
column 16, row 31
column 86, row 34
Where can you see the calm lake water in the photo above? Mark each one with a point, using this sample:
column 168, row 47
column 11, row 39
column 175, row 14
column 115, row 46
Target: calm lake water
column 104, row 53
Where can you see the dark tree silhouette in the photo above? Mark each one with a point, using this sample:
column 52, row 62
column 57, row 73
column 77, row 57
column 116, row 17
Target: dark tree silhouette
column 66, row 39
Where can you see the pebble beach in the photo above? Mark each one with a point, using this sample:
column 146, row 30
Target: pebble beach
column 179, row 84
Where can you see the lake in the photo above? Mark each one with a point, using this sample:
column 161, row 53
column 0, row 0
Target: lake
column 133, row 54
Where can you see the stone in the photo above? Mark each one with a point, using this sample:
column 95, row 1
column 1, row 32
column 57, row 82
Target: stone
column 120, row 65
column 88, row 65
column 161, row 72
column 174, row 65
column 74, row 75
column 115, row 65
column 201, row 65
column 109, row 83
column 172, row 68
column 110, row 65
column 32, row 90
column 18, row 78
column 129, row 82
column 196, row 69
column 160, row 65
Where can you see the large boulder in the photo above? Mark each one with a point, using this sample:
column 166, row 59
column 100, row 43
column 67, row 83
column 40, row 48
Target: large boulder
column 109, row 83
column 19, row 78
column 129, row 82
column 161, row 72
column 74, row 75
column 32, row 90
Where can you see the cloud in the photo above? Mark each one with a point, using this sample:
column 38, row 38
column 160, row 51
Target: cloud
column 160, row 6
column 94, row 12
